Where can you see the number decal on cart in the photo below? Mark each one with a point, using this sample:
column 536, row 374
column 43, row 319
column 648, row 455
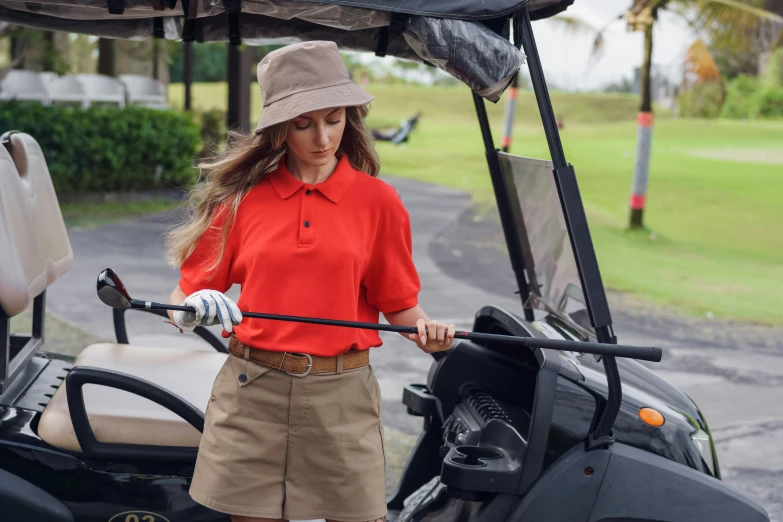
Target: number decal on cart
column 138, row 516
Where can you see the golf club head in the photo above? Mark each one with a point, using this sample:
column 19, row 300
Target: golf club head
column 111, row 290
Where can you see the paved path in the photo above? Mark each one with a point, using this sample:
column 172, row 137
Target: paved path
column 739, row 386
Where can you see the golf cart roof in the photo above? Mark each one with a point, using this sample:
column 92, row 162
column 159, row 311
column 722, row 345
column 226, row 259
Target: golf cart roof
column 467, row 39
column 316, row 11
column 463, row 9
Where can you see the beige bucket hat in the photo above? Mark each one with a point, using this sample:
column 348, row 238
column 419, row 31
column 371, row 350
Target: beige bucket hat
column 304, row 77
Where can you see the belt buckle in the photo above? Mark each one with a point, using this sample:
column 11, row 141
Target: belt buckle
column 309, row 364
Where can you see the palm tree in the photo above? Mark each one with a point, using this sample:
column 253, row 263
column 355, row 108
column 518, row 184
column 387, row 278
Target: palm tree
column 741, row 19
column 735, row 23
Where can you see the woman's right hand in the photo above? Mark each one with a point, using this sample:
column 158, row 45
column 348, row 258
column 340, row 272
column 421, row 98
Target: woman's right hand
column 212, row 307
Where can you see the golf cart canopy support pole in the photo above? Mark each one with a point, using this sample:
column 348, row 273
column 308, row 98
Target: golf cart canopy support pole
column 568, row 190
column 239, row 79
column 578, row 231
column 503, row 196
column 187, row 74
column 14, row 361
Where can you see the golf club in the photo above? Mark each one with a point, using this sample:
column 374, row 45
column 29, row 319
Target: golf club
column 113, row 293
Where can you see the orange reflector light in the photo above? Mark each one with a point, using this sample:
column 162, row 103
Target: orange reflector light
column 651, row 416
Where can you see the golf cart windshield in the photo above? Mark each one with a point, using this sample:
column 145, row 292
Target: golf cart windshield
column 550, row 266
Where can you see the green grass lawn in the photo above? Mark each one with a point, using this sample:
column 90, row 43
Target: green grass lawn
column 91, row 215
column 714, row 242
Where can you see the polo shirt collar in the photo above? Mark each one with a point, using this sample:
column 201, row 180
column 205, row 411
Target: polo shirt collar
column 334, row 188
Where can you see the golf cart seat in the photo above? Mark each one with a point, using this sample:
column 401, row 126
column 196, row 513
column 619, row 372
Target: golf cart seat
column 117, row 416
column 34, row 251
column 33, row 238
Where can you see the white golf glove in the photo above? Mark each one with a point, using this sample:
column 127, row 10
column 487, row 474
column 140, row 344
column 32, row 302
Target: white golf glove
column 212, row 307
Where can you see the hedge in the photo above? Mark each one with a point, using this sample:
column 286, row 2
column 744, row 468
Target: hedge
column 742, row 100
column 103, row 149
column 701, row 100
column 747, row 97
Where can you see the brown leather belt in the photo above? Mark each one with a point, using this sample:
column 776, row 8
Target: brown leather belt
column 300, row 364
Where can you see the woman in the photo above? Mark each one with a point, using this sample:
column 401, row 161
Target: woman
column 296, row 215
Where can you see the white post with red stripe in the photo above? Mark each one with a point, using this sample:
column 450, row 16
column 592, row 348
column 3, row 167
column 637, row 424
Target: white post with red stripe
column 641, row 171
column 508, row 120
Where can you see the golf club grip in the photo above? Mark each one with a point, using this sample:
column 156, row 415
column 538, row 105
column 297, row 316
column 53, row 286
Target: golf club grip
column 645, row 353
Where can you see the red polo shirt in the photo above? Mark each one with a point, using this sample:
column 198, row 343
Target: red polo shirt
column 340, row 249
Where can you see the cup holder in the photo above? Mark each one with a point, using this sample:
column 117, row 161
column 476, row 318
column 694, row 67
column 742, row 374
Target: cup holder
column 421, row 388
column 419, row 400
column 474, row 455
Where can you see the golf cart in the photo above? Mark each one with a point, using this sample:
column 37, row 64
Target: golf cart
column 397, row 135
column 537, row 415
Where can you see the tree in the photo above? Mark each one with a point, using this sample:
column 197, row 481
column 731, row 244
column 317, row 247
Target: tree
column 82, row 51
column 747, row 56
column 209, row 60
column 107, row 50
column 731, row 23
column 37, row 50
column 737, row 20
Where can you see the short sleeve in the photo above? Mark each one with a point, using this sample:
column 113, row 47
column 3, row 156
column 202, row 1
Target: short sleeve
column 195, row 273
column 391, row 279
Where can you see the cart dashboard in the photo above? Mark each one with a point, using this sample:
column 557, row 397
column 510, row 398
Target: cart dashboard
column 472, row 416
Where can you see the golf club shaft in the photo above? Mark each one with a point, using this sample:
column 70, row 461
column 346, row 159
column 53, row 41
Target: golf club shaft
column 292, row 318
column 646, row 353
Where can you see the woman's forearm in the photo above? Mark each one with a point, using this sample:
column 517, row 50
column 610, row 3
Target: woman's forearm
column 432, row 336
column 176, row 297
column 407, row 317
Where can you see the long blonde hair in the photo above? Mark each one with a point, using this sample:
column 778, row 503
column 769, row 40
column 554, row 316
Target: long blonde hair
column 226, row 178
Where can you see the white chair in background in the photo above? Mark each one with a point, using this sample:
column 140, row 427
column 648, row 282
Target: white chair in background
column 65, row 90
column 145, row 91
column 47, row 76
column 102, row 90
column 23, row 86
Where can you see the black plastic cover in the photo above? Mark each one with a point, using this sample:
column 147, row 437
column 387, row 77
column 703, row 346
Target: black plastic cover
column 642, row 486
column 21, row 501
column 419, row 401
column 345, row 14
column 465, row 9
column 494, row 465
column 567, row 491
column 468, row 51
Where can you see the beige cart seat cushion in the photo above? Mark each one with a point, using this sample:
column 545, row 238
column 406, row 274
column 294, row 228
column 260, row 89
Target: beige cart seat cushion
column 34, row 245
column 117, row 416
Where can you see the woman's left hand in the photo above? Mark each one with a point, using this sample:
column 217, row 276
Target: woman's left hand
column 437, row 336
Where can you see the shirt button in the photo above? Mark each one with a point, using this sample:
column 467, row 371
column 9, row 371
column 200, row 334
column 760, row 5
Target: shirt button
column 242, row 377
column 307, row 224
column 307, row 192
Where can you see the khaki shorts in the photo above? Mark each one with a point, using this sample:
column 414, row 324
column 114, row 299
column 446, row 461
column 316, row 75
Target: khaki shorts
column 298, row 448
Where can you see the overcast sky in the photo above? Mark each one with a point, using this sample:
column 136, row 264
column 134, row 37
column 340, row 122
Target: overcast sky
column 565, row 57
